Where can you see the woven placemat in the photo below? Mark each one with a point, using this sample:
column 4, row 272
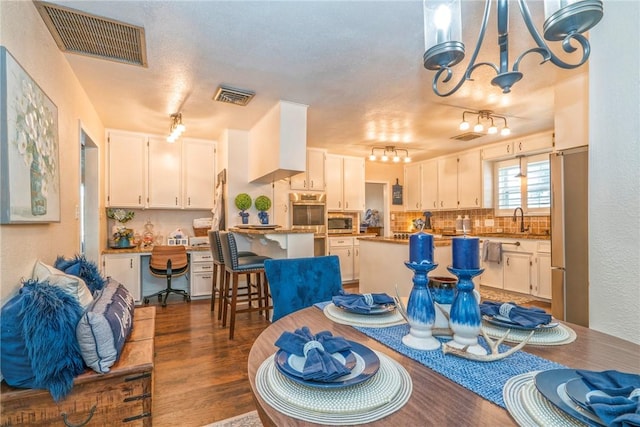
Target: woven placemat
column 386, row 392
column 560, row 335
column 344, row 317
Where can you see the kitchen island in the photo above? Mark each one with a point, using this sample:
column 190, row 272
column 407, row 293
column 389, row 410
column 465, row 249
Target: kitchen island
column 382, row 264
column 275, row 242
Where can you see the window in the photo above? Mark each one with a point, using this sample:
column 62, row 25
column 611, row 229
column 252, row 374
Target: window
column 532, row 192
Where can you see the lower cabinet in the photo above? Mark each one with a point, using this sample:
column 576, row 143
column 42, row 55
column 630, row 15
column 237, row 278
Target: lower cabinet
column 542, row 284
column 517, row 272
column 125, row 269
column 348, row 254
column 201, row 273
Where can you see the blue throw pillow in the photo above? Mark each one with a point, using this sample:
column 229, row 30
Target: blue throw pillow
column 87, row 270
column 105, row 326
column 38, row 347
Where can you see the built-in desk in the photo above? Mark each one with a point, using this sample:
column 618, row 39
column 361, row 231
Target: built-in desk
column 275, row 243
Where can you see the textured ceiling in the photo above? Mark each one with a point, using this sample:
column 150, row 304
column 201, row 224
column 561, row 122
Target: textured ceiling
column 357, row 65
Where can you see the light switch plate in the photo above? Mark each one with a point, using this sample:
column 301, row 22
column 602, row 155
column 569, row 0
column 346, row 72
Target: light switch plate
column 489, row 222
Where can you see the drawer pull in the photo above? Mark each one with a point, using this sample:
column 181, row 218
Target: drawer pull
column 137, row 377
column 132, row 398
column 91, row 412
column 136, row 417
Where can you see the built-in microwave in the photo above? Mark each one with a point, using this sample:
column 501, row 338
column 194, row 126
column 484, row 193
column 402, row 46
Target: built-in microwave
column 308, row 211
column 340, row 225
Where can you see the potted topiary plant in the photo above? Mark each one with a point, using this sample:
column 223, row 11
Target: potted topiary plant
column 243, row 202
column 263, row 204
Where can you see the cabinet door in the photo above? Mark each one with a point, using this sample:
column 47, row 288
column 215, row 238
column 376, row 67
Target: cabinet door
column 356, row 261
column 492, row 275
column 517, row 272
column 280, row 205
column 299, row 181
column 534, row 144
column 469, row 180
column 353, row 183
column 124, row 269
column 448, row 183
column 198, row 164
column 543, row 286
column 499, row 151
column 165, row 166
column 345, row 254
column 413, row 185
column 126, row 170
column 333, row 179
column 430, row 185
column 315, row 170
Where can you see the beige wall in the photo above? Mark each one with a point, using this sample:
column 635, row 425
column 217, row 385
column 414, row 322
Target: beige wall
column 25, row 36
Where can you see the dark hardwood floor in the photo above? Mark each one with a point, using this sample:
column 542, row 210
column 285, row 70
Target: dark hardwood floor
column 200, row 375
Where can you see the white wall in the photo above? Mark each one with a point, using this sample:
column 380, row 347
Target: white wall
column 614, row 172
column 26, row 37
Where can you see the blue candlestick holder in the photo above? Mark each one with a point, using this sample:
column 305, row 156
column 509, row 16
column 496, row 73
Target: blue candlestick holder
column 464, row 319
column 420, row 310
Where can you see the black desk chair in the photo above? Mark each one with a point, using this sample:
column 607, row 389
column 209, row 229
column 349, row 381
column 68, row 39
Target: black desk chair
column 169, row 262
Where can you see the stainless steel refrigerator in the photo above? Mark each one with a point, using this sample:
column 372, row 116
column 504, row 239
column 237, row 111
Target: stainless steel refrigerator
column 570, row 236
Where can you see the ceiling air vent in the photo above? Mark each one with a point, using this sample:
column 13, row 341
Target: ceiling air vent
column 233, row 96
column 79, row 32
column 467, row 136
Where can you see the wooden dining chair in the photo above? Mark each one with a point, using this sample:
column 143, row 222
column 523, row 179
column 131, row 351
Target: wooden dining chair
column 297, row 283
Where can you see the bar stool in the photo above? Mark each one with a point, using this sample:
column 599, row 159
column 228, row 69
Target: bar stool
column 218, row 269
column 234, row 266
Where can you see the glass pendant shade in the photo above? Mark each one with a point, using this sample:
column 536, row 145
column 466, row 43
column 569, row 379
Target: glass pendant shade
column 442, row 33
column 464, row 125
column 564, row 17
column 478, row 127
column 505, row 131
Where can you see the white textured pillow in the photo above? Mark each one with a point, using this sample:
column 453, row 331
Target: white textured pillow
column 73, row 285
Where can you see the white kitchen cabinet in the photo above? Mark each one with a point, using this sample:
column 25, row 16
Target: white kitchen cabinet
column 492, row 275
column 201, row 273
column 199, row 174
column 421, row 183
column 533, row 144
column 470, row 180
column 280, row 204
column 356, row 259
column 343, row 248
column 413, row 186
column 313, row 178
column 125, row 269
column 165, row 174
column 517, row 272
column 430, row 184
column 542, row 283
column 126, row 169
column 345, row 186
column 448, row 183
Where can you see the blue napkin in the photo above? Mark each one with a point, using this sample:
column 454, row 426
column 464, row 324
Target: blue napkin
column 621, row 406
column 319, row 365
column 360, row 303
column 523, row 316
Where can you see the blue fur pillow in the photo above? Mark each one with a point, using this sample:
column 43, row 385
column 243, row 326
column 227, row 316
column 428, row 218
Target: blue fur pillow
column 105, row 326
column 38, row 346
column 87, row 270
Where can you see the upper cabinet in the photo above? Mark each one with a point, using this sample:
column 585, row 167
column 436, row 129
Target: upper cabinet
column 533, row 144
column 345, row 183
column 148, row 172
column 313, row 178
column 421, row 184
column 126, row 170
column 448, row 183
column 470, row 180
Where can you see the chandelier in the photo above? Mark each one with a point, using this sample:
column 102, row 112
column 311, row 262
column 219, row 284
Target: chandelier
column 485, row 116
column 176, row 128
column 390, row 152
column 565, row 20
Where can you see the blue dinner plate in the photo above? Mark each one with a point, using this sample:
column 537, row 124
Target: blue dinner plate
column 365, row 364
column 552, row 385
column 375, row 309
column 577, row 390
column 504, row 322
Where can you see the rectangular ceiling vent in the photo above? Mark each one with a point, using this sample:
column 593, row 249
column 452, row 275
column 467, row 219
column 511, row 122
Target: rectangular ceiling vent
column 467, row 136
column 85, row 34
column 233, row 95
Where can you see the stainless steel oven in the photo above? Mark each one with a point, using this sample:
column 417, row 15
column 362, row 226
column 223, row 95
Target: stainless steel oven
column 309, row 210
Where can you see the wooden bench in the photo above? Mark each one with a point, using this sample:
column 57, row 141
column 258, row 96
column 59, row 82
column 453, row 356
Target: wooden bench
column 123, row 396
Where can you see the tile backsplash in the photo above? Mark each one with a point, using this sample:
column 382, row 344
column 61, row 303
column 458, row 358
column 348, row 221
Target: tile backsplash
column 403, row 221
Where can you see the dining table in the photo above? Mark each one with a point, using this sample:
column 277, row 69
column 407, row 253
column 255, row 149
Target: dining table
column 435, row 399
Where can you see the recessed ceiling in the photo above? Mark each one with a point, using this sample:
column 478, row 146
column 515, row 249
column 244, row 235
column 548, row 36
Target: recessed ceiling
column 356, row 64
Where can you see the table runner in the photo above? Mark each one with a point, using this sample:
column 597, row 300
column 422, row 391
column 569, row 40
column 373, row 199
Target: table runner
column 486, row 379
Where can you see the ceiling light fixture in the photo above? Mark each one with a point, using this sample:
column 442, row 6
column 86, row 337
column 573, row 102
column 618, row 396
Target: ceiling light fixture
column 565, row 20
column 176, row 128
column 390, row 150
column 486, row 115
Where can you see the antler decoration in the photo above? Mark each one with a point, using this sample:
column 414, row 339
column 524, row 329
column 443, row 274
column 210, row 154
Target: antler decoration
column 493, row 345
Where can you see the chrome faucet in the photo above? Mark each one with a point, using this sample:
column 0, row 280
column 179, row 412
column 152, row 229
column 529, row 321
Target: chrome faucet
column 515, row 218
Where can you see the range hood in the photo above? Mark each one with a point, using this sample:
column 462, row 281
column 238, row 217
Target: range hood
column 278, row 143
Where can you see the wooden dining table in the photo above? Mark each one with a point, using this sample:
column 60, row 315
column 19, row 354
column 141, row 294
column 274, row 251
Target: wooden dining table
column 435, row 399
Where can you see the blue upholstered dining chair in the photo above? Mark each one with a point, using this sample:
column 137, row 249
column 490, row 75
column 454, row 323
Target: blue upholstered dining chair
column 297, row 283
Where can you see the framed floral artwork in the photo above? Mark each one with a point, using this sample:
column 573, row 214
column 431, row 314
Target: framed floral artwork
column 29, row 162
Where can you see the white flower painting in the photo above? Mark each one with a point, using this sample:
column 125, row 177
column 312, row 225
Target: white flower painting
column 29, row 142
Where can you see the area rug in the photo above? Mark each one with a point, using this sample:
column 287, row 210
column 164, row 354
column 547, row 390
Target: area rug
column 250, row 419
column 504, row 296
